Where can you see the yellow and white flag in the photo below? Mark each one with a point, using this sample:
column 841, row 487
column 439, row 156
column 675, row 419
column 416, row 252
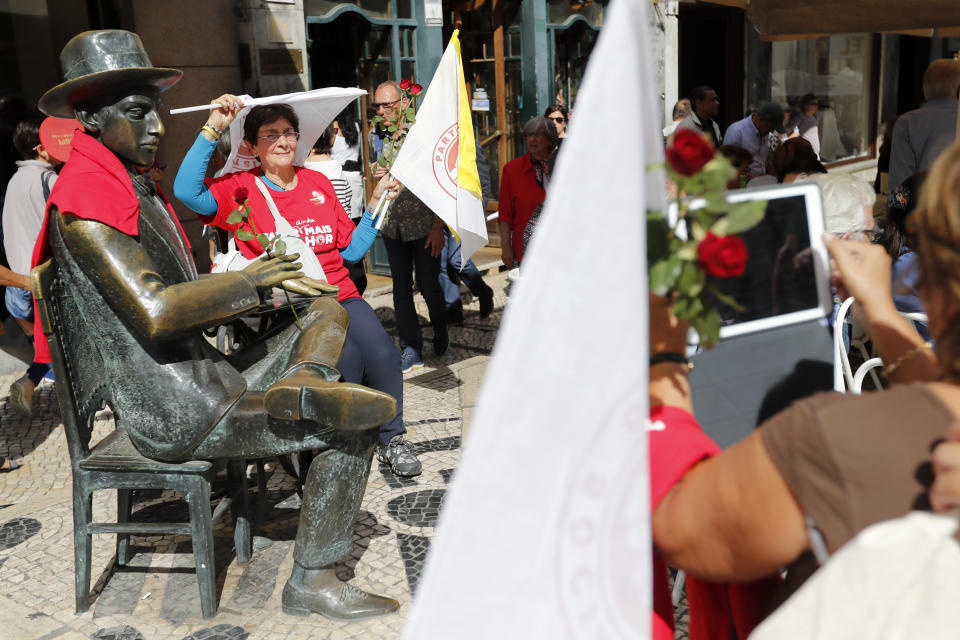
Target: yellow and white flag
column 545, row 531
column 438, row 160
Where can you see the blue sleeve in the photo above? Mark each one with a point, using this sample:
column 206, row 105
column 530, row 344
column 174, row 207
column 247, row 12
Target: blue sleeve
column 732, row 136
column 363, row 237
column 188, row 186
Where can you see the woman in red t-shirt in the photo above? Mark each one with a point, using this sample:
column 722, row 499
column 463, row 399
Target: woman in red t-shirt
column 308, row 203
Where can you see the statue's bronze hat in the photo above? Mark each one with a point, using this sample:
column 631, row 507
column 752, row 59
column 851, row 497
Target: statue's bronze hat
column 96, row 60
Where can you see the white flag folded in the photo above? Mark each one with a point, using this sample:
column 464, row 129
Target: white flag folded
column 546, row 530
column 316, row 109
column 438, row 159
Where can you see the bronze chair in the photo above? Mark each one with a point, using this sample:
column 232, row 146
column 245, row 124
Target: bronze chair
column 115, row 463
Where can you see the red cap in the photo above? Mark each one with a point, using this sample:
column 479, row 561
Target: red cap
column 56, row 134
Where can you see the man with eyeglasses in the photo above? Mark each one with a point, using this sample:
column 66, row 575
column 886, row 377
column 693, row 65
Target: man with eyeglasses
column 413, row 237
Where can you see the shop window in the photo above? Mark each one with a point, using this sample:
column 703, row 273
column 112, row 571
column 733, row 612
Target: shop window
column 838, row 70
column 571, row 52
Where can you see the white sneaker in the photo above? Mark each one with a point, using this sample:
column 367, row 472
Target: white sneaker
column 21, row 396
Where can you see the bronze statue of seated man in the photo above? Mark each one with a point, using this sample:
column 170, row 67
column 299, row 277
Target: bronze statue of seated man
column 137, row 310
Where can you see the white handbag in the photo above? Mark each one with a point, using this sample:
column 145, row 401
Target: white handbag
column 233, row 260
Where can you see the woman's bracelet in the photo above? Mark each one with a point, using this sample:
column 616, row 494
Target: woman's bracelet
column 893, row 366
column 678, row 358
column 213, row 131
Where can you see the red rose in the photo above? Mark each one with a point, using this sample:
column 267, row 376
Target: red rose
column 404, row 84
column 688, row 152
column 240, row 195
column 722, row 257
column 415, row 89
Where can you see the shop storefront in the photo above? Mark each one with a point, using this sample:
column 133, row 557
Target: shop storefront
column 841, row 72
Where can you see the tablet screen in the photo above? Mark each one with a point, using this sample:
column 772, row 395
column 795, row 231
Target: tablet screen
column 780, row 277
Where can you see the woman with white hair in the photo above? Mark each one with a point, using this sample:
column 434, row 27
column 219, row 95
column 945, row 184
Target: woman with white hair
column 847, row 204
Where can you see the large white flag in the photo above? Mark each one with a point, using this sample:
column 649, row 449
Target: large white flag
column 546, row 530
column 438, row 159
column 316, row 109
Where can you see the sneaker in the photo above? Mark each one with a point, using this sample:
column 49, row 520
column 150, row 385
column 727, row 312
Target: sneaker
column 400, row 456
column 410, row 360
column 21, row 396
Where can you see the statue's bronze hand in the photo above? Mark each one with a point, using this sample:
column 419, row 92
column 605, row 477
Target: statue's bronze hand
column 309, row 287
column 270, row 272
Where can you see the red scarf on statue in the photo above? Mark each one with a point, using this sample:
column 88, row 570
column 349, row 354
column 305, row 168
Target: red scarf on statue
column 93, row 185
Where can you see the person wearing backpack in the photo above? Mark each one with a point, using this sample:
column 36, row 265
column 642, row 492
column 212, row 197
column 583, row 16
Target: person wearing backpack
column 23, row 211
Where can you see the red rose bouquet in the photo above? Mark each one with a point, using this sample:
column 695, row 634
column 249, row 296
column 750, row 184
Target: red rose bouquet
column 399, row 128
column 679, row 262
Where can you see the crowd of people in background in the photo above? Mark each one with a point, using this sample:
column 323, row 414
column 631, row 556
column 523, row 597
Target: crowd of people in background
column 797, row 468
column 760, row 518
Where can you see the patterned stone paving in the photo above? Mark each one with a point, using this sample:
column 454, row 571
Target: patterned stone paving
column 155, row 596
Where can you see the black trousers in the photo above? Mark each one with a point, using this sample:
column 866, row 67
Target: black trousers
column 404, row 257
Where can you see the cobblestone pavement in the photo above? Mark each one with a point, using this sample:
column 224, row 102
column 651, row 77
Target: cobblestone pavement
column 156, row 596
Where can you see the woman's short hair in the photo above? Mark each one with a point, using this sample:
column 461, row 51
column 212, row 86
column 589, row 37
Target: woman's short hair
column 540, row 125
column 796, row 155
column 267, row 114
column 936, row 223
column 347, row 120
column 847, row 202
column 26, row 136
column 324, row 143
column 557, row 107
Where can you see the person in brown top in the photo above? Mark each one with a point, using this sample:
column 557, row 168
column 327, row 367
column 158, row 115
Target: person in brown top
column 839, row 463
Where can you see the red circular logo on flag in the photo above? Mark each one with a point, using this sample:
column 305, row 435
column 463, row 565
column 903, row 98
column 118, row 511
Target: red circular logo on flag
column 445, row 153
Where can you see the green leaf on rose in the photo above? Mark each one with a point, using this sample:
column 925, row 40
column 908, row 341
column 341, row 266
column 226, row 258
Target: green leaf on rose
column 717, row 202
column 235, row 217
column 697, row 230
column 745, row 215
column 264, row 241
column 717, row 173
column 686, row 308
column 705, row 218
column 244, row 235
column 724, row 298
column 280, row 246
column 687, row 251
column 719, row 228
column 691, row 280
column 663, row 275
column 708, row 326
column 392, row 128
column 658, row 237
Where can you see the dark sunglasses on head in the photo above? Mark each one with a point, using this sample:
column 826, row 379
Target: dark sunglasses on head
column 377, row 105
column 559, row 119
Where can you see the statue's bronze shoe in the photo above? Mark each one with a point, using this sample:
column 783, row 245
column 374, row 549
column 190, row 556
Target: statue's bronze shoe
column 332, row 598
column 342, row 405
